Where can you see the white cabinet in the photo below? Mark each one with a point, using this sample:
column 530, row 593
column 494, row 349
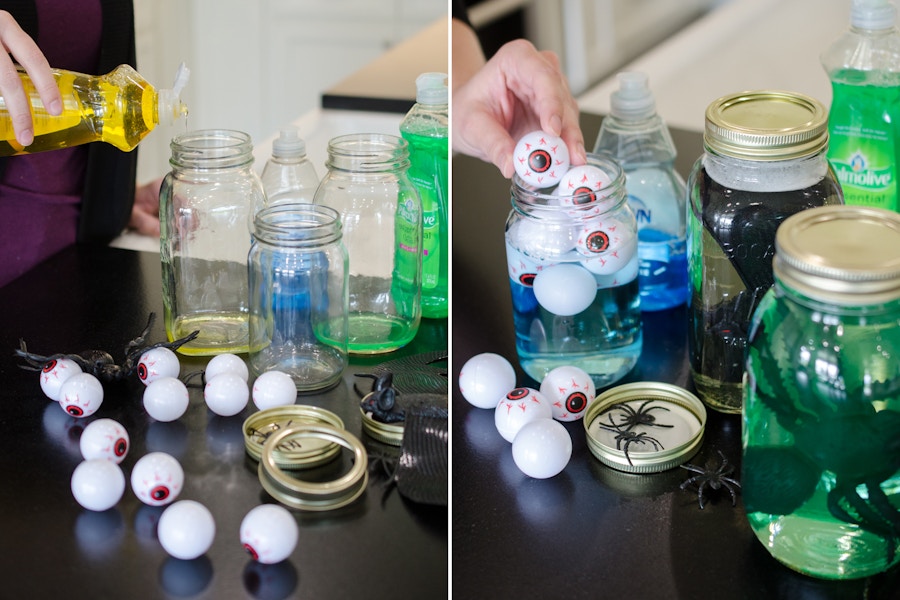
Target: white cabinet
column 257, row 65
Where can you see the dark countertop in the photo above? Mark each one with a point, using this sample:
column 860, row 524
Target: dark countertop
column 381, row 546
column 590, row 531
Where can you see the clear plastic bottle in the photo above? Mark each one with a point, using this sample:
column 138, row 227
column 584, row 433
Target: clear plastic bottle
column 425, row 128
column 864, row 120
column 289, row 176
column 636, row 136
column 821, row 438
column 119, row 108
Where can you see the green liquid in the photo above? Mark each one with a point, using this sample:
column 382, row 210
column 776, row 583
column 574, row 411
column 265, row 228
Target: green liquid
column 428, row 171
column 376, row 333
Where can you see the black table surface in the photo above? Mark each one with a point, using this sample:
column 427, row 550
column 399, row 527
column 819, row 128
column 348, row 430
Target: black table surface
column 590, row 531
column 381, row 546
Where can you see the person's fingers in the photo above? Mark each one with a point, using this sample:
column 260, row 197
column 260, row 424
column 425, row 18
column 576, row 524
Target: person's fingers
column 19, row 45
column 144, row 222
column 491, row 141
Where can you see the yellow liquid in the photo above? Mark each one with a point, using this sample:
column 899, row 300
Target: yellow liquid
column 119, row 108
column 219, row 333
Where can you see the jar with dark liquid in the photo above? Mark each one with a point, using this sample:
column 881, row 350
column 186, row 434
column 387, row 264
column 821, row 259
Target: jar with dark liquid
column 764, row 161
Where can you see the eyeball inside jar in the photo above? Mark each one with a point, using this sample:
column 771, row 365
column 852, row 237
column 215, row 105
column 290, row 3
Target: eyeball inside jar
column 541, row 159
column 579, row 186
column 551, row 236
column 624, row 275
column 609, row 238
column 565, row 289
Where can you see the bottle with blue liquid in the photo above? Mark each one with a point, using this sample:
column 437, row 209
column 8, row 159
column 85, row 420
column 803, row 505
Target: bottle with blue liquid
column 638, row 139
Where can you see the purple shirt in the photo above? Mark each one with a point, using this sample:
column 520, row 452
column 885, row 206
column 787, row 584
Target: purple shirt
column 40, row 194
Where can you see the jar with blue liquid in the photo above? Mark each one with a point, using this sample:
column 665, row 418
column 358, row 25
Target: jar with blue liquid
column 298, row 295
column 573, row 271
column 636, row 136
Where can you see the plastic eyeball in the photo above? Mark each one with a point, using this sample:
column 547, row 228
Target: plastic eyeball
column 565, row 289
column 166, row 399
column 274, row 388
column 98, row 484
column 485, row 379
column 542, row 448
column 570, row 391
column 541, row 159
column 521, row 406
column 521, row 268
column 55, row 373
column 227, row 394
column 157, row 479
column 624, row 275
column 580, row 184
column 81, row 395
column 227, row 363
column 551, row 237
column 186, row 529
column 269, row 533
column 106, row 439
column 157, row 363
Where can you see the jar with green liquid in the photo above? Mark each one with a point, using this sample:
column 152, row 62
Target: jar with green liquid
column 821, row 415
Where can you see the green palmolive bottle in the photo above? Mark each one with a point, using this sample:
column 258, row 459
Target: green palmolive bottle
column 821, row 416
column 864, row 120
column 425, row 128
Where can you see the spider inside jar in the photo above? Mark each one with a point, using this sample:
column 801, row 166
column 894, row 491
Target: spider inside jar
column 713, row 476
column 99, row 363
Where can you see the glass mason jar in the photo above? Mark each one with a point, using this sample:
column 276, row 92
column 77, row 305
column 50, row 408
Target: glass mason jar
column 764, row 160
column 573, row 266
column 298, row 295
column 381, row 216
column 206, row 206
column 821, row 427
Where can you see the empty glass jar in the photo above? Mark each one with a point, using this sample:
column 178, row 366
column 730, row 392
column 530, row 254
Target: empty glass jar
column 381, row 216
column 206, row 204
column 298, row 295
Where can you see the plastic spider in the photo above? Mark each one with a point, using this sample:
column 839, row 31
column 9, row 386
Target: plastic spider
column 630, row 437
column 381, row 400
column 631, row 418
column 100, row 363
column 712, row 476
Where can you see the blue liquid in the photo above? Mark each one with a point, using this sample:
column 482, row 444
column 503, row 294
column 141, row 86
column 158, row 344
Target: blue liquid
column 663, row 270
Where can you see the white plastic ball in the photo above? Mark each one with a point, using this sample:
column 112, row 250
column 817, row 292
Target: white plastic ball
column 269, row 533
column 227, row 363
column 624, row 275
column 581, row 183
column 520, row 406
column 485, row 379
column 226, row 394
column 98, row 484
column 106, row 439
column 166, row 399
column 542, row 448
column 541, row 159
column 157, row 363
column 157, row 478
column 553, row 236
column 274, row 388
column 81, row 395
column 55, row 373
column 565, row 289
column 570, row 391
column 186, row 529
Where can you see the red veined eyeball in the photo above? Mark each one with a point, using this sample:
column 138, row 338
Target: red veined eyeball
column 541, row 159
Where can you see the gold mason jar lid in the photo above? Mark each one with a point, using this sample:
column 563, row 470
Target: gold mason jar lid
column 766, row 125
column 846, row 255
column 311, row 452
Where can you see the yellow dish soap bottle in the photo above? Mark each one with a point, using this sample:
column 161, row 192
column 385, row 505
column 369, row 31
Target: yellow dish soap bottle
column 119, row 108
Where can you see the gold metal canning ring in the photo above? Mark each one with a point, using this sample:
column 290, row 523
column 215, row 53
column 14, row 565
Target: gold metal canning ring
column 307, row 495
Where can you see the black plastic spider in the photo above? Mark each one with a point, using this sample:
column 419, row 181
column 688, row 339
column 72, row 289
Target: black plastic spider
column 382, row 399
column 630, row 437
column 100, row 363
column 712, row 476
column 631, row 418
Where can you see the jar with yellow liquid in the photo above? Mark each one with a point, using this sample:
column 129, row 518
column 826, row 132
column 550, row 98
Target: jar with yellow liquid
column 206, row 205
column 119, row 108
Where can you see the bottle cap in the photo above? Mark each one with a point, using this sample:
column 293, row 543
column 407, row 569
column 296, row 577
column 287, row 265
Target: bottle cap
column 170, row 105
column 845, row 255
column 872, row 14
column 431, row 88
column 766, row 126
column 289, row 144
column 633, row 101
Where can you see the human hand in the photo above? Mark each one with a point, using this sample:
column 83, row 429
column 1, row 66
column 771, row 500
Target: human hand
column 19, row 45
column 517, row 91
column 145, row 212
